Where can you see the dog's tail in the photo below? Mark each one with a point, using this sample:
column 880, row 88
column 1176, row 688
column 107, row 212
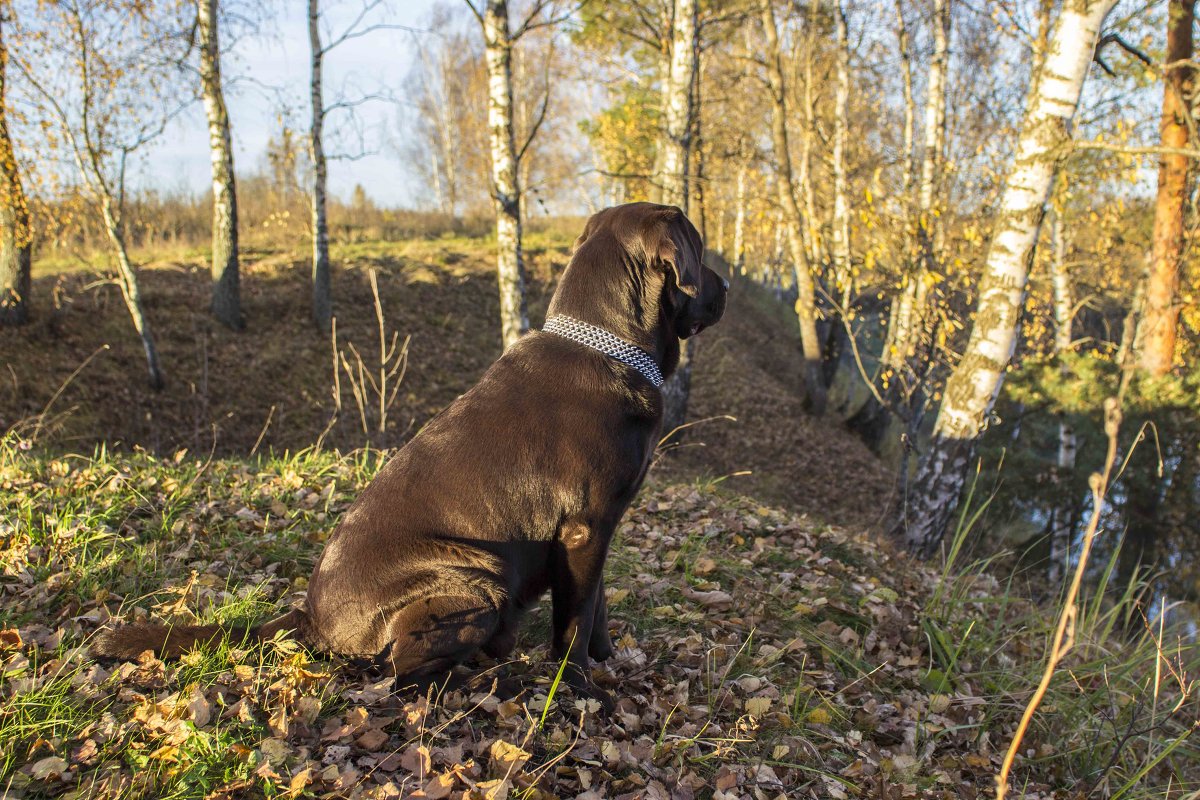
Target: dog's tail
column 171, row 641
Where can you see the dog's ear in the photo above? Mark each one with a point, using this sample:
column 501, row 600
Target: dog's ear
column 668, row 241
column 590, row 227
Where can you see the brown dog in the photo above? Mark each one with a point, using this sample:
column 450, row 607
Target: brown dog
column 517, row 486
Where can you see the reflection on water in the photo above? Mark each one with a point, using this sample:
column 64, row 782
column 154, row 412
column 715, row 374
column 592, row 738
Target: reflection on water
column 1149, row 524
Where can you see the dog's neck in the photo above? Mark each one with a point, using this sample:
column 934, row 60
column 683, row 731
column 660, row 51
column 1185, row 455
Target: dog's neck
column 620, row 302
column 608, row 343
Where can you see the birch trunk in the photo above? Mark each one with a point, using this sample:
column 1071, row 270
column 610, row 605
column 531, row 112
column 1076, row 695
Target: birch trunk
column 678, row 106
column 810, row 233
column 841, row 202
column 322, row 290
column 15, row 232
column 1062, row 517
column 973, row 386
column 226, row 295
column 1160, row 318
column 506, row 190
column 739, row 225
column 910, row 312
column 806, row 309
column 900, row 313
column 680, row 118
column 909, row 103
column 130, row 290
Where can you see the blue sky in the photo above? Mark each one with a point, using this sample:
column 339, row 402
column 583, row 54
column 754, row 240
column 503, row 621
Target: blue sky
column 280, row 58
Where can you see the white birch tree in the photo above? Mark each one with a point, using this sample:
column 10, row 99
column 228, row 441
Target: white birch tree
column 322, row 283
column 104, row 77
column 675, row 144
column 806, row 308
column 15, row 231
column 321, row 44
column 906, row 324
column 973, row 386
column 499, row 38
column 678, row 108
column 1061, row 519
column 841, row 132
column 226, row 295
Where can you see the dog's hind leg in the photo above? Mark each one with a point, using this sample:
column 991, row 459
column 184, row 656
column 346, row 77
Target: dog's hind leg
column 433, row 634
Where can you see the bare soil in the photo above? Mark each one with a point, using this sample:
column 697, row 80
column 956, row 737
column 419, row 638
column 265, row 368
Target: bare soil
column 271, row 384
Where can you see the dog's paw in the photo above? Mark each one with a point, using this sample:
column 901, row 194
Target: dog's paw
column 601, row 649
column 586, row 698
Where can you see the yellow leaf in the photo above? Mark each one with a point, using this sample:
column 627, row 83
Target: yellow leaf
column 757, row 706
column 819, row 716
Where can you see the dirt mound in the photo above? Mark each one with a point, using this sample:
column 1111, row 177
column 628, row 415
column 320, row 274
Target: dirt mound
column 273, row 379
column 749, row 367
column 271, row 385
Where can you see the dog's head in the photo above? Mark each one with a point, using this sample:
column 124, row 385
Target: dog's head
column 657, row 256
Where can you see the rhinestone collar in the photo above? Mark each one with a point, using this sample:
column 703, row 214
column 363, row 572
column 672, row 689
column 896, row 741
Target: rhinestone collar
column 607, row 343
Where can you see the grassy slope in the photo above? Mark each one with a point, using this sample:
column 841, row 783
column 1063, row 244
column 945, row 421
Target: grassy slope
column 759, row 654
column 762, row 652
column 223, row 387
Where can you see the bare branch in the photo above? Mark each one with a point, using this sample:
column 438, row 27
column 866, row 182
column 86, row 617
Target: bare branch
column 1136, row 150
column 1115, row 38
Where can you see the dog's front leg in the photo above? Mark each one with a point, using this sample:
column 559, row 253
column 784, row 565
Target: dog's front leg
column 600, row 647
column 574, row 587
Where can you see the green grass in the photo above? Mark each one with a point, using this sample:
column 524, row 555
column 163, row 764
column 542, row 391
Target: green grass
column 835, row 663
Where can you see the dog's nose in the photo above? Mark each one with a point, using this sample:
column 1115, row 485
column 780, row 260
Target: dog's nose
column 725, row 283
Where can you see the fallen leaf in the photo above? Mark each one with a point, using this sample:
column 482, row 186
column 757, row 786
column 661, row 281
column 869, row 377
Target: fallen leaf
column 49, row 768
column 416, row 760
column 373, row 739
column 757, row 706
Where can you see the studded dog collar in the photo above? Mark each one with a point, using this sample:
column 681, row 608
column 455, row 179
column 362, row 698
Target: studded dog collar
column 607, row 343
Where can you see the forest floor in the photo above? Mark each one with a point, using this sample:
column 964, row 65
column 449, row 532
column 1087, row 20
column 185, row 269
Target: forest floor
column 271, row 385
column 768, row 645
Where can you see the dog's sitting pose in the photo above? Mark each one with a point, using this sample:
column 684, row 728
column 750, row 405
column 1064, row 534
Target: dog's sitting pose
column 517, row 486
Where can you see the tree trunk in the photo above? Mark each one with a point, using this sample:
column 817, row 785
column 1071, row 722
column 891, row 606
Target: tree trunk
column 322, row 289
column 842, row 276
column 975, row 383
column 911, row 311
column 909, row 104
column 681, row 112
column 678, row 108
column 810, row 233
column 739, row 225
column 226, row 296
column 130, row 291
column 506, row 190
column 15, row 233
column 1062, row 517
column 1160, row 318
column 806, row 309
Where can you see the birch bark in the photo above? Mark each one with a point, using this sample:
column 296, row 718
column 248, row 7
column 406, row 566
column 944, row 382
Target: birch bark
column 15, row 232
column 1062, row 519
column 841, row 131
column 1160, row 317
column 226, row 295
column 506, row 190
column 974, row 384
column 810, row 232
column 806, row 310
column 130, row 290
column 322, row 289
column 678, row 106
column 911, row 309
column 739, row 224
column 680, row 124
column 91, row 145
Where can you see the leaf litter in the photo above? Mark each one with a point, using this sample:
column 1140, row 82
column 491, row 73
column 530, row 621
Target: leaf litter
column 758, row 655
